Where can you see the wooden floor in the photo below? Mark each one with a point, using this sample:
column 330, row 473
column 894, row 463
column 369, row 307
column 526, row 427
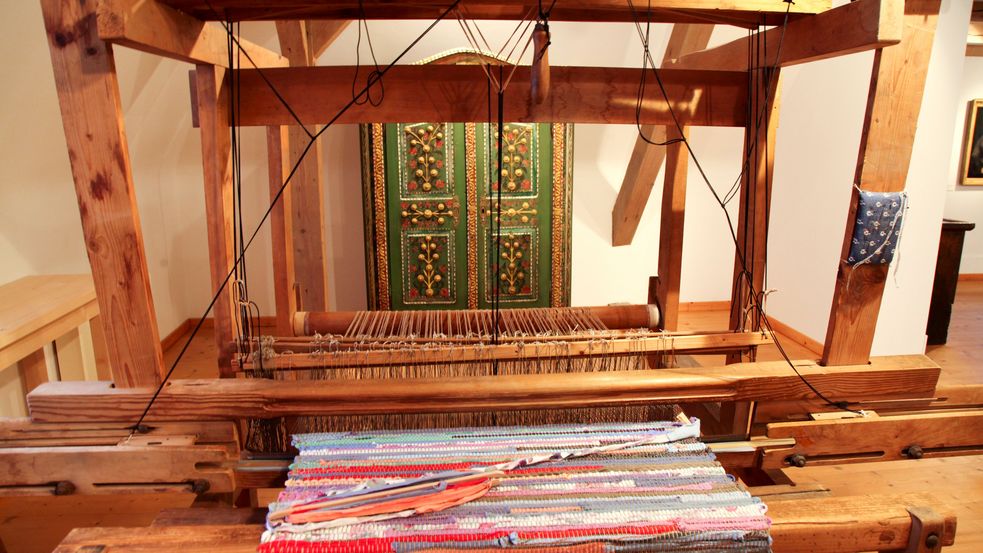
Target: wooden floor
column 955, row 481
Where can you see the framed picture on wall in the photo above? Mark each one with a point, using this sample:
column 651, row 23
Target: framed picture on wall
column 972, row 173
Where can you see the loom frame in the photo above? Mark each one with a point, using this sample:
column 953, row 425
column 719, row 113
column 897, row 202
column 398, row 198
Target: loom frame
column 82, row 35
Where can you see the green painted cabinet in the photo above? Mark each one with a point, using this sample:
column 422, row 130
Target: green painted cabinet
column 433, row 208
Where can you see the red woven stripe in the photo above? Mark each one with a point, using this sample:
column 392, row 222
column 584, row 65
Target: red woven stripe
column 371, row 545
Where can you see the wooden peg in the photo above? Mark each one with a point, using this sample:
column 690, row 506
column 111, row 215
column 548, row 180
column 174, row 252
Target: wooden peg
column 540, row 82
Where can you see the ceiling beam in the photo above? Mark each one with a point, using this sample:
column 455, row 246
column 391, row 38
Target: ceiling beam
column 460, row 93
column 321, row 34
column 151, row 26
column 739, row 12
column 855, row 27
column 646, row 159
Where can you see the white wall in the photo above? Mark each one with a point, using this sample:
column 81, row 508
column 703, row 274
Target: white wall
column 40, row 229
column 821, row 115
column 966, row 202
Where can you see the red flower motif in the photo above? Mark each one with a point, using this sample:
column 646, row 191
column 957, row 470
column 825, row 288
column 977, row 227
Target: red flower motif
column 412, row 164
column 439, row 143
column 439, row 184
column 411, row 185
column 440, row 164
column 526, row 185
column 413, row 150
column 445, row 292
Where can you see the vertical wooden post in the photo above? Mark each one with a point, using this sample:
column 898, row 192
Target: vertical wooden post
column 99, row 347
column 216, row 158
column 281, row 229
column 88, row 93
column 894, row 102
column 33, row 370
column 755, row 207
column 71, row 359
column 671, row 233
column 310, row 272
column 752, row 230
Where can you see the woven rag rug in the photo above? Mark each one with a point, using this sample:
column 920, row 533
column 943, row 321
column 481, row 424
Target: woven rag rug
column 580, row 488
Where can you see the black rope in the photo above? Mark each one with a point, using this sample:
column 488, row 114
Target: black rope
column 544, row 20
column 259, row 70
column 641, row 91
column 498, row 208
column 753, row 143
column 374, row 76
column 138, row 426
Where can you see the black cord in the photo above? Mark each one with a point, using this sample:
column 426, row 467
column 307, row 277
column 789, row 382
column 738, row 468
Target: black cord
column 138, row 426
column 498, row 206
column 742, row 259
column 259, row 70
column 544, row 19
column 641, row 92
column 373, row 78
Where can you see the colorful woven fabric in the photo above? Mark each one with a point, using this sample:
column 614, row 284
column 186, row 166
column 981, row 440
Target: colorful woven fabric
column 602, row 487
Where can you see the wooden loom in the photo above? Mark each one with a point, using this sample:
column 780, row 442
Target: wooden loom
column 77, row 429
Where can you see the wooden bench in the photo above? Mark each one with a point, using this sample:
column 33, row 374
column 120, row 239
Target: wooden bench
column 39, row 310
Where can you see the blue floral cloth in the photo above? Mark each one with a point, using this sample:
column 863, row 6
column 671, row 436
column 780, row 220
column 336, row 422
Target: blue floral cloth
column 878, row 227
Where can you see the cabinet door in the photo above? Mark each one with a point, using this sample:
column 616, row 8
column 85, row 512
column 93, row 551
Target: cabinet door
column 432, row 212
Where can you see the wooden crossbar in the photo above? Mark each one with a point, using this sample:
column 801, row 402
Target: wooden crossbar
column 896, row 376
column 460, row 93
column 814, row 525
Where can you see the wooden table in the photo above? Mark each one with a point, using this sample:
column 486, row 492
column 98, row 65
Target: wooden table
column 946, row 278
column 823, row 525
column 37, row 310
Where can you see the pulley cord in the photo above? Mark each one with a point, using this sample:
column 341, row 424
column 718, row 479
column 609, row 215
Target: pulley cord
column 139, row 426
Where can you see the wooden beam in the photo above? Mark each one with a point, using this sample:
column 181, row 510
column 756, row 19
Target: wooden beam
column 151, row 26
column 92, row 114
column 281, row 229
column 310, row 275
column 216, row 159
column 466, row 351
column 646, row 159
column 233, row 398
column 809, row 525
column 849, row 524
column 747, row 290
column 854, row 27
column 967, row 397
column 173, row 465
column 17, row 433
column 671, row 233
column 321, row 34
column 876, row 438
column 460, row 93
column 893, row 104
column 739, row 12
